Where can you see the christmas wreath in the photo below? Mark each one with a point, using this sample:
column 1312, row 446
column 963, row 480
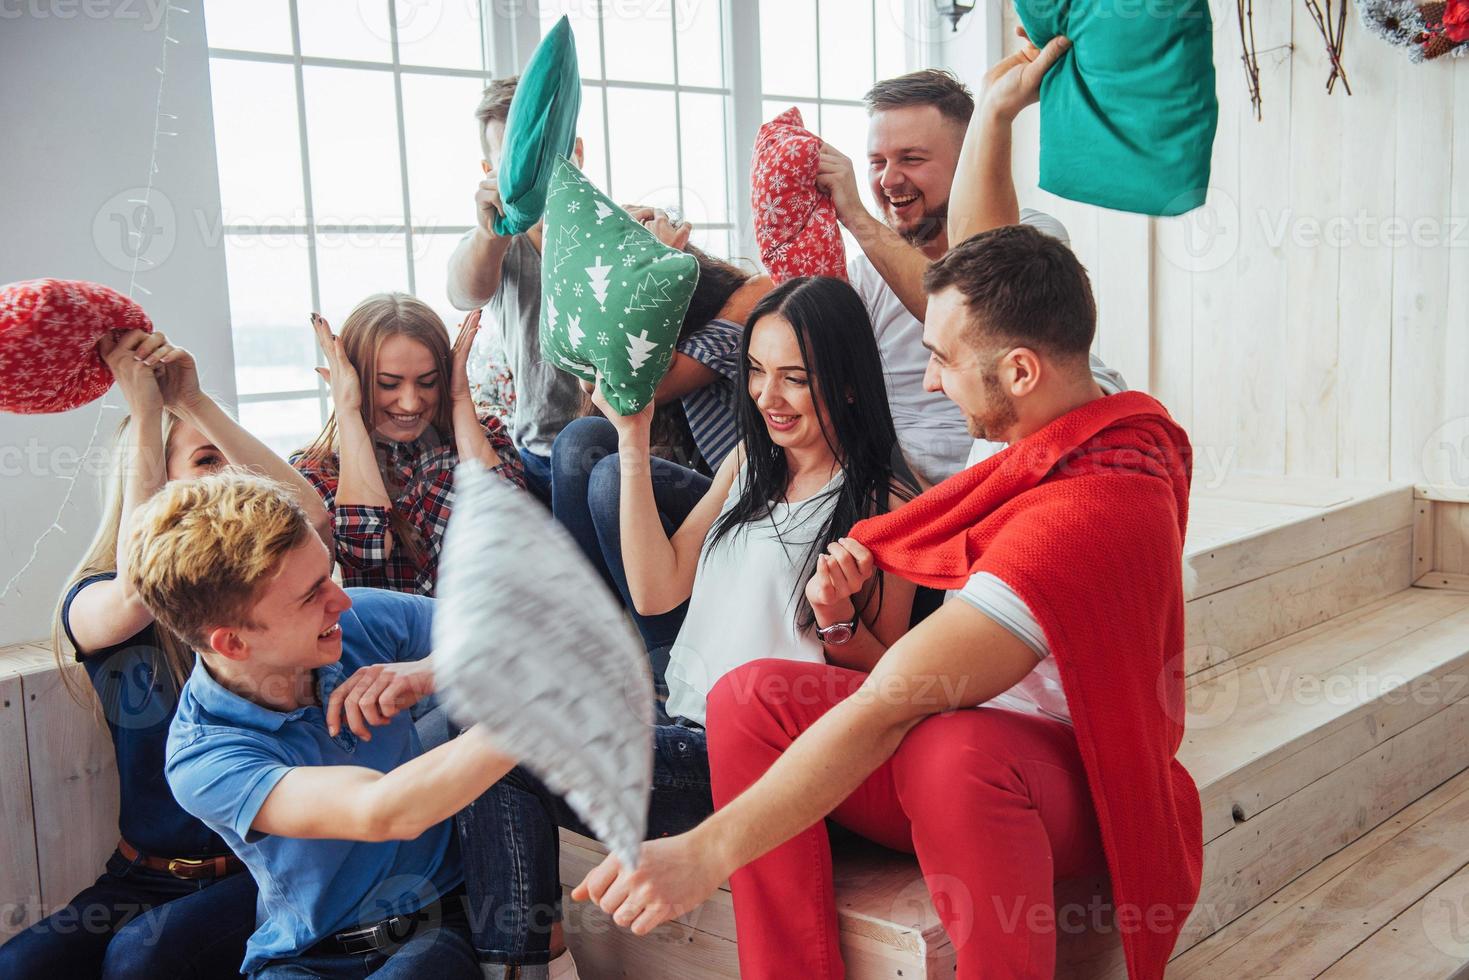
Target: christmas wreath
column 1427, row 30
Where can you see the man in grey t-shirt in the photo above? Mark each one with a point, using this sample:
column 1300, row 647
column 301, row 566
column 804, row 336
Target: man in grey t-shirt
column 503, row 273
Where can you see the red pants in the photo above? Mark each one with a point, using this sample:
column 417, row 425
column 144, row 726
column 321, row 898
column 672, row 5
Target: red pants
column 994, row 803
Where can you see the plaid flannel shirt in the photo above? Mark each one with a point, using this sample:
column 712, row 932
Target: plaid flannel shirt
column 423, row 473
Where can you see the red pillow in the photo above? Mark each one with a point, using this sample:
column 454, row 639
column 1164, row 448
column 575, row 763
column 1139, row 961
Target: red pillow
column 795, row 221
column 49, row 330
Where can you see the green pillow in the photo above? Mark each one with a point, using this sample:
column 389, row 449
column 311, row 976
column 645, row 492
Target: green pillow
column 613, row 296
column 1128, row 114
column 540, row 128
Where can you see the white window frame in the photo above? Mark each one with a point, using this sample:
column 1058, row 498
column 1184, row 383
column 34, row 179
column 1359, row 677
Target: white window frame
column 509, row 37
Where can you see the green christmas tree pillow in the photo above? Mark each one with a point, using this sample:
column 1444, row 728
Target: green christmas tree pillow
column 613, row 296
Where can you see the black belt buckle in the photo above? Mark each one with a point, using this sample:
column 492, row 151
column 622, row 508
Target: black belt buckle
column 384, row 935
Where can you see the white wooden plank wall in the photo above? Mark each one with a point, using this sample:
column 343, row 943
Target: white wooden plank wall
column 1314, row 319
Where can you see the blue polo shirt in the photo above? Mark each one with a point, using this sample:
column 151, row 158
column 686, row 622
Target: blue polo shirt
column 225, row 755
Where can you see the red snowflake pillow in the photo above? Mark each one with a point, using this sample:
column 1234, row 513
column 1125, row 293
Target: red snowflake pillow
column 49, row 330
column 795, row 221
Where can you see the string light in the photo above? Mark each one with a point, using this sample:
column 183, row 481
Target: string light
column 161, row 69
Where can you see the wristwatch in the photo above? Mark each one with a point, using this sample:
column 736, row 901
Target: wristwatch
column 838, row 633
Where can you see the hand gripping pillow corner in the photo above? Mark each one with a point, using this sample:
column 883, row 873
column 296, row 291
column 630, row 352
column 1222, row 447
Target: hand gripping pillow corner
column 49, row 330
column 795, row 221
column 528, row 642
column 613, row 296
column 1128, row 114
column 541, row 127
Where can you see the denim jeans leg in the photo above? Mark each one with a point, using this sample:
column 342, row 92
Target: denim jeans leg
column 537, row 474
column 510, row 846
column 578, row 449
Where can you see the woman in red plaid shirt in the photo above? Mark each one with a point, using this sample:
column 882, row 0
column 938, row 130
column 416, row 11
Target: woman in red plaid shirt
column 384, row 463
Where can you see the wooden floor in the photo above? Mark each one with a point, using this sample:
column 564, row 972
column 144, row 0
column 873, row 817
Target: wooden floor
column 1393, row 904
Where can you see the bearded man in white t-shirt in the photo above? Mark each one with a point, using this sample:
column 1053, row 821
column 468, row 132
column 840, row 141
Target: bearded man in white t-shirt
column 914, row 141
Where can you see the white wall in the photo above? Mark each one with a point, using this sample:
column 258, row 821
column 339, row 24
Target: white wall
column 81, row 89
column 1313, row 318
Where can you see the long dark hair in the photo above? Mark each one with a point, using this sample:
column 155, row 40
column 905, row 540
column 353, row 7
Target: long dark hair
column 718, row 281
column 840, row 353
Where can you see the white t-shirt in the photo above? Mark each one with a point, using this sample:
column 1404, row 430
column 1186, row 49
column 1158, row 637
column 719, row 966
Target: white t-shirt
column 743, row 606
column 1038, row 692
column 931, row 429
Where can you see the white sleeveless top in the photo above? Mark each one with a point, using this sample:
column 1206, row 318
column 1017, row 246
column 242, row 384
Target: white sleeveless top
column 743, row 605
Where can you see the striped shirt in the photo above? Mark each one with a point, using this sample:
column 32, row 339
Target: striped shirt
column 712, row 410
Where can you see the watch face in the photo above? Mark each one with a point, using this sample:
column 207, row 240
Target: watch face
column 836, row 633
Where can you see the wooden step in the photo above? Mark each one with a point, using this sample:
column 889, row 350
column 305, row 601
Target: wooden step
column 1299, row 749
column 1267, row 557
column 1393, row 903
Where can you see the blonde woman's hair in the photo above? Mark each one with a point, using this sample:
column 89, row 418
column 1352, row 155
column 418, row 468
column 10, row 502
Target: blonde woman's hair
column 101, row 556
column 200, row 550
column 363, row 333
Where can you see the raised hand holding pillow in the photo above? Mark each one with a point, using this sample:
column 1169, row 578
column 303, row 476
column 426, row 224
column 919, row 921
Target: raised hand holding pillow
column 1128, row 115
column 49, row 329
column 613, row 296
column 541, row 127
column 795, row 221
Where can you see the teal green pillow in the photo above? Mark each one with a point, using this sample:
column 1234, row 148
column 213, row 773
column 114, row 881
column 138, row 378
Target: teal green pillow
column 541, row 127
column 613, row 296
column 1128, row 114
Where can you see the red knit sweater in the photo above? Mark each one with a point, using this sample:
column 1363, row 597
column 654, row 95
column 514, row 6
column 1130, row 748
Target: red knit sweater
column 1085, row 520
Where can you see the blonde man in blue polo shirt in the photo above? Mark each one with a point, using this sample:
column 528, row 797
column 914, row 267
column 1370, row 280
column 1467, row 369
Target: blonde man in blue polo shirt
column 348, row 831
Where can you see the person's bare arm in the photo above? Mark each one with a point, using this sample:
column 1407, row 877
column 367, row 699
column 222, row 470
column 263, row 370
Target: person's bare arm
column 684, row 375
column 660, row 570
column 957, row 657
column 474, row 268
column 357, row 803
column 845, row 578
column 470, row 440
column 983, row 194
column 898, row 262
column 107, row 613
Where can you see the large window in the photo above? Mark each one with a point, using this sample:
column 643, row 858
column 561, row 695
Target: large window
column 348, row 156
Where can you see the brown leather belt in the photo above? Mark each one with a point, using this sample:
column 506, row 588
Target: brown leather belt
column 187, row 868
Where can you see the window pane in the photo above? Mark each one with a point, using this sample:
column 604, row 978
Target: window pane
column 788, row 47
column 284, row 426
column 445, row 33
column 645, row 166
column 809, row 113
column 638, row 35
column 431, row 275
column 893, row 38
column 593, row 137
column 705, row 168
column 352, row 266
column 715, row 241
column 352, row 132
column 846, row 48
column 257, row 140
column 345, row 29
column 443, row 148
column 583, row 16
column 845, row 127
column 270, row 302
column 700, row 42
column 249, row 25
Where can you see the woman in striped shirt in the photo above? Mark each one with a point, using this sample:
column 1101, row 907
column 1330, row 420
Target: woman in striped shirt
column 704, row 381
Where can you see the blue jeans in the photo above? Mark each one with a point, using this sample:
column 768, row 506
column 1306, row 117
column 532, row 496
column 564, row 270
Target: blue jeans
column 443, row 952
column 586, row 488
column 135, row 922
column 512, row 863
column 537, row 474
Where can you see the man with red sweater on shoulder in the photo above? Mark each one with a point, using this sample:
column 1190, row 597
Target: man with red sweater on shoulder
column 1025, row 732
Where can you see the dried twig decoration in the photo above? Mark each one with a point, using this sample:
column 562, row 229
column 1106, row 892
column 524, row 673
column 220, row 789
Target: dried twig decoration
column 1250, row 57
column 1333, row 26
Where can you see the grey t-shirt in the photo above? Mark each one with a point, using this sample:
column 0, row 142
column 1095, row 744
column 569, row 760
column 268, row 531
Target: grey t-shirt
column 546, row 398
